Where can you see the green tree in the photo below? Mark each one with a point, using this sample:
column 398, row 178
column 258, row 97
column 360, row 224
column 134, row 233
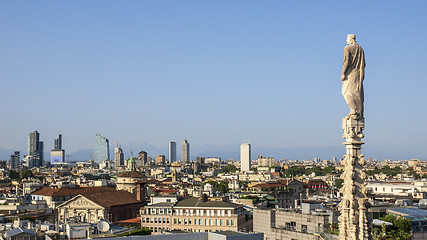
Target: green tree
column 220, row 186
column 14, row 174
column 228, row 168
column 223, row 186
column 26, row 173
column 400, row 230
column 339, row 182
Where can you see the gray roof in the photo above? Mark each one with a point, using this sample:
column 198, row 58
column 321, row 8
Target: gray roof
column 161, row 204
column 195, row 202
column 19, row 230
column 229, row 233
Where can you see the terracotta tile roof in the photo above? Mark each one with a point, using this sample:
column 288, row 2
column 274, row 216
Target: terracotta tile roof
column 57, row 192
column 112, row 198
column 133, row 174
column 132, row 220
column 268, row 185
column 153, row 181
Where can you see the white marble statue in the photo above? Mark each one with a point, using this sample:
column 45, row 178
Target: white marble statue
column 352, row 75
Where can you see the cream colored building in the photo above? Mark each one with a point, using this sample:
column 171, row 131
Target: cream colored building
column 285, row 225
column 111, row 206
column 195, row 215
column 129, row 181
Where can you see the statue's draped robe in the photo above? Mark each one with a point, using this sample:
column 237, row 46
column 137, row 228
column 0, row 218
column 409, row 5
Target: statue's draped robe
column 354, row 72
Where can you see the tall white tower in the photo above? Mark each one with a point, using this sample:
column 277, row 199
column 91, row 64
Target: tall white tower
column 245, row 157
column 185, row 151
column 172, row 152
column 119, row 157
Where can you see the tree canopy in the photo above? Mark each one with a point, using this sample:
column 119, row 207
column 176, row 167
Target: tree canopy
column 400, row 230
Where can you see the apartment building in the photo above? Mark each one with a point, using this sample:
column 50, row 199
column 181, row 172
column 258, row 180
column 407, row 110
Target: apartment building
column 196, row 215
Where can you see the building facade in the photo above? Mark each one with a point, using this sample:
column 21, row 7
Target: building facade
column 245, row 157
column 195, row 215
column 35, row 149
column 142, row 159
column 172, row 152
column 102, row 148
column 57, row 143
column 185, row 151
column 286, row 225
column 110, row 206
column 119, row 157
column 160, row 159
column 15, row 162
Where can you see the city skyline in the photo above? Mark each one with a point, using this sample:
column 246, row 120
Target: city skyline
column 268, row 73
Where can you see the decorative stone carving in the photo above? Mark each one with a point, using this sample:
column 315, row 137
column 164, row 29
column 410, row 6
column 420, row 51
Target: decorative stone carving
column 352, row 76
column 354, row 222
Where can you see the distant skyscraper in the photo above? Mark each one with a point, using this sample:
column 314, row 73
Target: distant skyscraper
column 160, row 159
column 245, row 157
column 172, row 152
column 35, row 149
column 119, row 157
column 57, row 145
column 57, row 155
column 142, row 159
column 185, row 151
column 102, row 149
column 14, row 161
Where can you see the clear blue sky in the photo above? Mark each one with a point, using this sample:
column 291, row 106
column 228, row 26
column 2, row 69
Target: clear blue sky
column 215, row 72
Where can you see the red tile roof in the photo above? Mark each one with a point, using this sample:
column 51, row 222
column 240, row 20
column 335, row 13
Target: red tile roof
column 57, row 192
column 132, row 174
column 268, row 185
column 113, row 198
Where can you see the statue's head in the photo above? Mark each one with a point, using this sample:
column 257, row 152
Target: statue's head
column 351, row 39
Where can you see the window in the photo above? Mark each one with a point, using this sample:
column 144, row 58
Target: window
column 228, row 222
column 229, row 213
column 304, row 228
column 211, row 222
column 232, row 222
column 206, row 221
column 217, row 222
column 293, row 226
column 168, row 200
column 175, row 221
column 221, row 222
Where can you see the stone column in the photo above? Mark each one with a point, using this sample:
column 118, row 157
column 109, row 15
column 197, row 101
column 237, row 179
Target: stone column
column 354, row 223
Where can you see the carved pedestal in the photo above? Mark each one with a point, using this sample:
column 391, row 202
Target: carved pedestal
column 354, row 223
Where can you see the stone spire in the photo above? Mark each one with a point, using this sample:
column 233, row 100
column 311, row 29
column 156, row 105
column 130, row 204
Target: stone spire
column 354, row 222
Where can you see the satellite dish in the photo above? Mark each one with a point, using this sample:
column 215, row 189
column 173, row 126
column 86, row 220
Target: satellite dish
column 103, row 226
